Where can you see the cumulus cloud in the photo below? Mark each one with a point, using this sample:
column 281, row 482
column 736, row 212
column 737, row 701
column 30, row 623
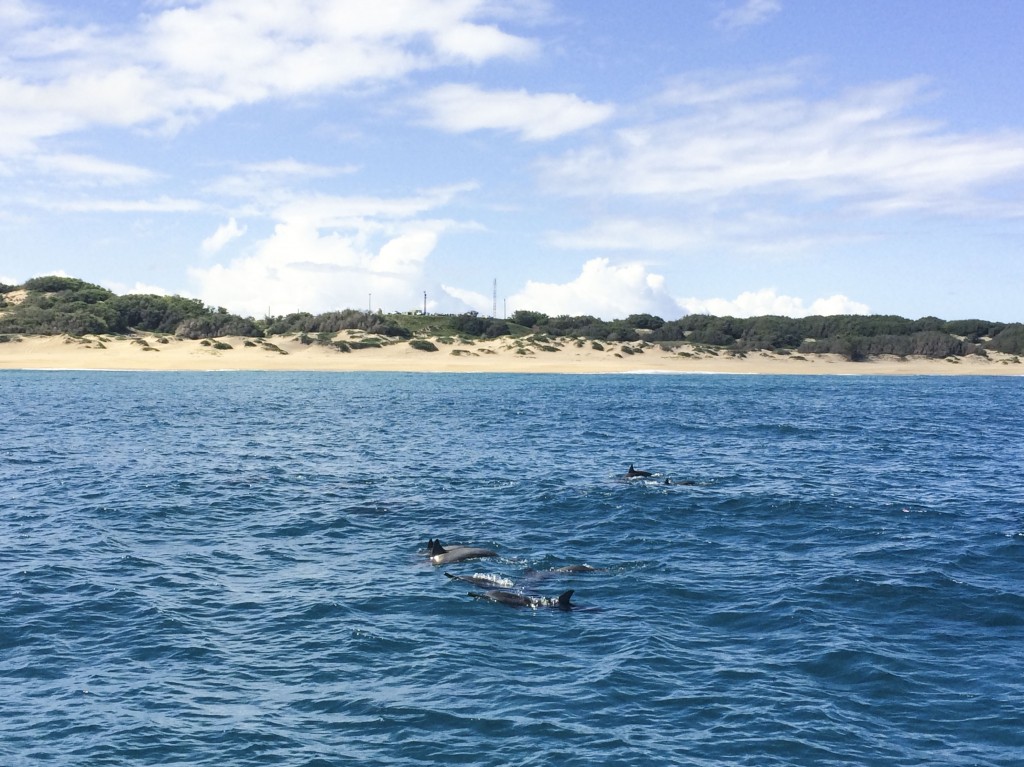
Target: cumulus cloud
column 534, row 116
column 603, row 289
column 768, row 301
column 138, row 288
column 615, row 291
column 470, row 299
column 328, row 253
column 225, row 233
column 750, row 13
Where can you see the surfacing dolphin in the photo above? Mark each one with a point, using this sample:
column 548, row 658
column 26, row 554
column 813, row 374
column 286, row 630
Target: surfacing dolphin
column 439, row 555
column 484, row 581
column 562, row 601
column 531, row 574
column 631, row 472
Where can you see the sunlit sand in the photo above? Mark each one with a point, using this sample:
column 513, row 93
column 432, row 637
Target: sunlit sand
column 502, row 355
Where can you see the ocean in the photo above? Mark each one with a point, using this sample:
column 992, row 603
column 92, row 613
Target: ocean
column 229, row 569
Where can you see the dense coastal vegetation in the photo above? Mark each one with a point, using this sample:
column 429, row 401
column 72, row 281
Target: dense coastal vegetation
column 55, row 305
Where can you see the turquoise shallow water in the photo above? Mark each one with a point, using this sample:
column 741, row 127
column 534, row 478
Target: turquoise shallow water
column 227, row 569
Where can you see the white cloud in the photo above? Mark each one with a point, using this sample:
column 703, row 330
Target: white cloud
column 478, row 302
column 84, row 167
column 162, row 204
column 15, row 13
column 178, row 65
column 225, row 233
column 750, row 13
column 478, row 43
column 602, row 289
column 290, row 167
column 139, row 288
column 768, row 301
column 625, row 234
column 265, row 184
column 534, row 116
column 330, row 253
column 858, row 149
column 300, row 268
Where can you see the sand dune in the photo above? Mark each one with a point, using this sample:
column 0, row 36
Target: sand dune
column 503, row 355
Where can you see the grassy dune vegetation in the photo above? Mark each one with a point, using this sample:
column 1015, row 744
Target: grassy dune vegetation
column 55, row 305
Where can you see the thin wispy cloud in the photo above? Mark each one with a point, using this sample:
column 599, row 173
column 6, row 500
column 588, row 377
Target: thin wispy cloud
column 859, row 148
column 88, row 169
column 750, row 13
column 532, row 116
column 162, row 204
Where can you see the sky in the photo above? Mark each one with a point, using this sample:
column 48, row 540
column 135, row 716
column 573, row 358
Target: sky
column 731, row 157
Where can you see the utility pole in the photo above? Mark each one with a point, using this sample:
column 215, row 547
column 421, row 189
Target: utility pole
column 494, row 307
column 369, row 304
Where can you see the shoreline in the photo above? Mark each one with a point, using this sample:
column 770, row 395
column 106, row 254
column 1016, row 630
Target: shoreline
column 152, row 352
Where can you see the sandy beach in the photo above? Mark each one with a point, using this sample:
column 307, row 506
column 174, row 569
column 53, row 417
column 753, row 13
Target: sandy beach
column 502, row 355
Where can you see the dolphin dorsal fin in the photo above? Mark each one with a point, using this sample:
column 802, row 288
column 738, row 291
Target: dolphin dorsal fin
column 563, row 598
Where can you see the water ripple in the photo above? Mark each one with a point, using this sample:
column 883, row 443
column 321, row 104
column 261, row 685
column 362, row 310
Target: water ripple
column 225, row 569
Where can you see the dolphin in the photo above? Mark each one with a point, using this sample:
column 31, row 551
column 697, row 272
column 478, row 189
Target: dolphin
column 522, row 600
column 439, row 555
column 484, row 581
column 536, row 575
column 577, row 569
column 631, row 472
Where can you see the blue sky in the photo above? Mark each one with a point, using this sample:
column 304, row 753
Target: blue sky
column 735, row 157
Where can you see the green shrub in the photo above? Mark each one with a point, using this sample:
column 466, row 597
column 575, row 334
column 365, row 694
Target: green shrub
column 423, row 345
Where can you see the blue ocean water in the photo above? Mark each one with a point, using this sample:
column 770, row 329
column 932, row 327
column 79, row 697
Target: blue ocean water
column 228, row 569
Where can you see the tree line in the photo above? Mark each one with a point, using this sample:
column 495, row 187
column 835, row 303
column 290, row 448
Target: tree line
column 57, row 305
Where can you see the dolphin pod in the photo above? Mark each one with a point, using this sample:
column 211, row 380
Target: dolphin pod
column 497, row 589
column 562, row 601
